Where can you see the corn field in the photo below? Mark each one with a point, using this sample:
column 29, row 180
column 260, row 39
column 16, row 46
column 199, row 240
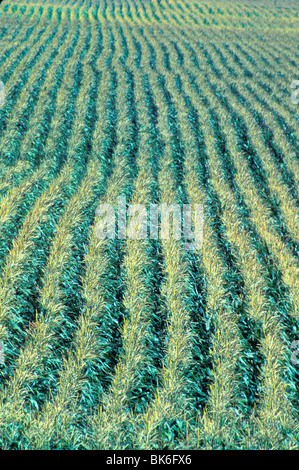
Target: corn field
column 121, row 343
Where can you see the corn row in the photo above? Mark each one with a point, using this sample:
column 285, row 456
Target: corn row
column 281, row 191
column 43, row 111
column 286, row 262
column 284, row 109
column 86, row 344
column 287, row 205
column 14, row 33
column 138, row 302
column 290, row 277
column 9, row 179
column 41, row 338
column 279, row 85
column 27, row 230
column 21, row 34
column 171, row 398
column 261, row 216
column 23, row 245
column 12, row 132
column 71, row 378
column 257, row 293
column 278, row 138
column 15, row 62
column 273, row 347
column 227, row 345
column 10, row 203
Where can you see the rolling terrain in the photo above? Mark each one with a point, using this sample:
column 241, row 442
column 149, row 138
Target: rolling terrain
column 140, row 343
